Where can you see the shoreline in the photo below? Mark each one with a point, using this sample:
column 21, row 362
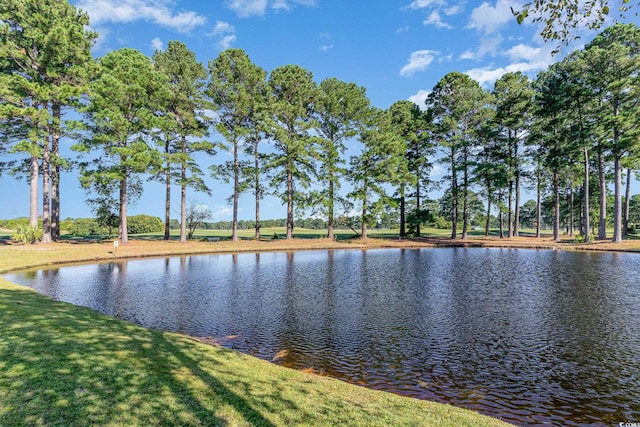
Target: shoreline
column 67, row 252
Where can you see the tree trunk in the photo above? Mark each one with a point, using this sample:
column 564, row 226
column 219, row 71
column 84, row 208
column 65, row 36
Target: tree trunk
column 571, row 211
column 403, row 219
column 556, row 207
column 330, row 213
column 256, row 162
column 289, row 204
column 46, row 188
column 487, row 222
column 183, row 193
column 538, row 201
column 617, row 206
column 627, row 205
column 586, row 207
column 602, row 221
column 501, row 215
column 418, row 208
column 454, row 196
column 33, row 192
column 510, row 211
column 55, row 173
column 516, row 216
column 122, row 230
column 363, row 226
column 236, row 190
column 465, row 197
column 167, row 196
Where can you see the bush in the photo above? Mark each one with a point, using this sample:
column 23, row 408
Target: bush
column 139, row 224
column 86, row 227
column 27, row 234
column 442, row 223
column 631, row 229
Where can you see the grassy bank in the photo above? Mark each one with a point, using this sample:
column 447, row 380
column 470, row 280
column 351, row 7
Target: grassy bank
column 67, row 365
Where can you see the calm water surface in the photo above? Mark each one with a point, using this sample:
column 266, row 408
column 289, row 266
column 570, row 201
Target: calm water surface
column 532, row 337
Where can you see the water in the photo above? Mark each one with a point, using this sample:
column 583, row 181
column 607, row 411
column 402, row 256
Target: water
column 531, row 337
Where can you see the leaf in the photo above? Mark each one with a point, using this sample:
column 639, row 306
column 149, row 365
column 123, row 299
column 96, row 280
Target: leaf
column 605, row 10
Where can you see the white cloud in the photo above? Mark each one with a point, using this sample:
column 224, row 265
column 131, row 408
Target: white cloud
column 404, row 29
column 489, row 19
column 418, row 61
column 490, row 45
column 468, row 54
column 421, row 4
column 246, row 8
column 453, row 10
column 326, row 43
column 221, row 212
column 434, row 19
column 437, row 172
column 155, row 11
column 488, row 75
column 419, row 98
column 285, row 5
column 157, row 44
column 522, row 51
column 226, row 42
column 223, row 28
column 325, row 47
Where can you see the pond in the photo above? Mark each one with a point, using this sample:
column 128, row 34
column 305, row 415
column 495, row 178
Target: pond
column 529, row 336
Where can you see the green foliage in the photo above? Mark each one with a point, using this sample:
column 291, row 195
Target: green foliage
column 27, row 234
column 417, row 218
column 139, row 224
column 84, row 227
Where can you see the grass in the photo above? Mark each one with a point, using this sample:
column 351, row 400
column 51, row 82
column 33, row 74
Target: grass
column 67, row 365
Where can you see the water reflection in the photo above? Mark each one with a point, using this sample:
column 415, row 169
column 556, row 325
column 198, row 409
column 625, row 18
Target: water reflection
column 529, row 336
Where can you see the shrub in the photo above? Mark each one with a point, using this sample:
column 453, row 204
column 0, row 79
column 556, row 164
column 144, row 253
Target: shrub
column 27, row 234
column 139, row 224
column 631, row 229
column 86, row 227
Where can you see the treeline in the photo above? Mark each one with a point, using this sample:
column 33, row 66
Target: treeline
column 568, row 135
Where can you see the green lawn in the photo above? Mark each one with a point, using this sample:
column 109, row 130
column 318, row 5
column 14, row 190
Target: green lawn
column 64, row 365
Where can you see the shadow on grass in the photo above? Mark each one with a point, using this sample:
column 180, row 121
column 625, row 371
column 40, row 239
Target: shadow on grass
column 64, row 365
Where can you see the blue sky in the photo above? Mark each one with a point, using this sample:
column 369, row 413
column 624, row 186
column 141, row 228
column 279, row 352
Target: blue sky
column 395, row 49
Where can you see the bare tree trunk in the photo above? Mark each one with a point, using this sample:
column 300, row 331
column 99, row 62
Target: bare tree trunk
column 403, row 219
column 236, row 190
column 330, row 213
column 454, row 196
column 33, row 192
column 55, row 172
column 571, row 210
column 501, row 215
column 627, row 205
column 516, row 216
column 167, row 196
column 46, row 186
column 617, row 206
column 418, row 208
column 465, row 198
column 122, row 230
column 586, row 207
column 538, row 202
column 488, row 221
column 556, row 207
column 602, row 221
column 363, row 226
column 258, row 191
column 289, row 204
column 510, row 211
column 183, row 193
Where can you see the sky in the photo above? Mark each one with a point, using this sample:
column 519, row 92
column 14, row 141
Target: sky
column 396, row 49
